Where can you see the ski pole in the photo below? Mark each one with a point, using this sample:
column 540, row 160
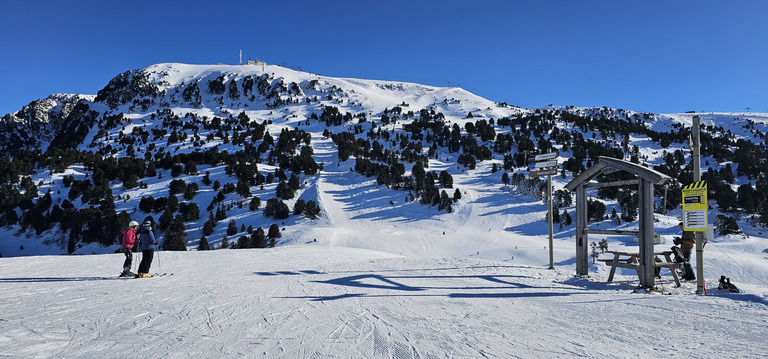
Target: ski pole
column 136, row 245
column 159, row 266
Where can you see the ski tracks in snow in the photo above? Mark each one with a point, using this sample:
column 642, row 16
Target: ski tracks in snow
column 324, row 302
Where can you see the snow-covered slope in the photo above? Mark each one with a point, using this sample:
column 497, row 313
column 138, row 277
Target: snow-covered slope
column 320, row 301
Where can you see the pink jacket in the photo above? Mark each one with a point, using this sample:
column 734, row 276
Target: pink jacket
column 129, row 238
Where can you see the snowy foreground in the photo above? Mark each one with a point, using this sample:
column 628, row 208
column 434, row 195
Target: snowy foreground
column 317, row 301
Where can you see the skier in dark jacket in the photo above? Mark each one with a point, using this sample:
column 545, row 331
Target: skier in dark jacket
column 148, row 246
column 129, row 240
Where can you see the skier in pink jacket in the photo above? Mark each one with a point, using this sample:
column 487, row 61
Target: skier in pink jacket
column 129, row 240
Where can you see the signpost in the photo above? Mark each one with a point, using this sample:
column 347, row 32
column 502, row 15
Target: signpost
column 546, row 165
column 546, row 156
column 544, row 172
column 695, row 207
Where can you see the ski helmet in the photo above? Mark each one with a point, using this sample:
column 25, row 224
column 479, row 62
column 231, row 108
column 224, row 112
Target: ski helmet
column 133, row 224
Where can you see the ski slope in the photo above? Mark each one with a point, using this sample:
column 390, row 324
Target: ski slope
column 318, row 301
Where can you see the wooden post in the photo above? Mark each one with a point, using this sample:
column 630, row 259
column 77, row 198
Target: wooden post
column 645, row 199
column 582, row 261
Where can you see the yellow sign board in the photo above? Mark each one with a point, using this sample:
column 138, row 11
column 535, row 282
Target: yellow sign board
column 695, row 207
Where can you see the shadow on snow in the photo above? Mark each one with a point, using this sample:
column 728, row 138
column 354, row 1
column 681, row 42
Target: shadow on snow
column 395, row 286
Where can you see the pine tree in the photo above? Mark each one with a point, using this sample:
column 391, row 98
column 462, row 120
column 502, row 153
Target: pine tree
column 173, row 203
column 242, row 188
column 232, row 228
column 259, row 238
column 131, row 181
column 271, row 208
column 176, row 170
column 311, row 210
column 151, row 169
column 175, row 237
column 165, row 220
column 244, row 242
column 147, row 204
column 191, row 211
column 299, row 207
column 207, row 178
column 283, row 211
column 191, row 191
column 254, row 204
column 203, row 246
column 746, row 197
column 190, row 168
column 566, row 218
column 446, row 180
column 177, row 186
column 208, row 227
column 221, row 214
column 293, row 183
column 274, row 231
column 595, row 210
column 284, row 191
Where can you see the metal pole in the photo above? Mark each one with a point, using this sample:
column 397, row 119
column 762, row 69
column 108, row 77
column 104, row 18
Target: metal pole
column 550, row 220
column 695, row 149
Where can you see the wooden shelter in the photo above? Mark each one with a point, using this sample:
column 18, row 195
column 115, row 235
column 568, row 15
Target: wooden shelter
column 646, row 178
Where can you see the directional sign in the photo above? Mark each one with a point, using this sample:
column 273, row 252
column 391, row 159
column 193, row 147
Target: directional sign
column 544, row 164
column 544, row 172
column 546, row 156
column 695, row 207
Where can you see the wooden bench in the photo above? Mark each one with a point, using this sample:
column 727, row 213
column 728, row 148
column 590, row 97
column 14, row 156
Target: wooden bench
column 629, row 260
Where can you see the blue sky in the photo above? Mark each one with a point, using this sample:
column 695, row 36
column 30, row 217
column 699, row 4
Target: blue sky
column 652, row 56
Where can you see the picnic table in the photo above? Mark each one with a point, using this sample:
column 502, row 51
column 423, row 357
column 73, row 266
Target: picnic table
column 625, row 259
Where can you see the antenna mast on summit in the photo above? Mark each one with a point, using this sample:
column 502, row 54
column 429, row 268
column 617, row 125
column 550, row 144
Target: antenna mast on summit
column 241, row 57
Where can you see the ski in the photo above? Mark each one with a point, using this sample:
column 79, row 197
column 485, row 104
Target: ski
column 157, row 275
column 125, row 276
column 118, row 277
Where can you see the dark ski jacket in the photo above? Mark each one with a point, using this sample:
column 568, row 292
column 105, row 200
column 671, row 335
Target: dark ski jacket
column 147, row 237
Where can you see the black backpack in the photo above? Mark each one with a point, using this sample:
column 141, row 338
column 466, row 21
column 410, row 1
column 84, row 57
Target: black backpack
column 679, row 257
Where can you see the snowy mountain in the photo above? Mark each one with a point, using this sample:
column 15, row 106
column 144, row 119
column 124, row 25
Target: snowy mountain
column 38, row 123
column 231, row 139
column 407, row 224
